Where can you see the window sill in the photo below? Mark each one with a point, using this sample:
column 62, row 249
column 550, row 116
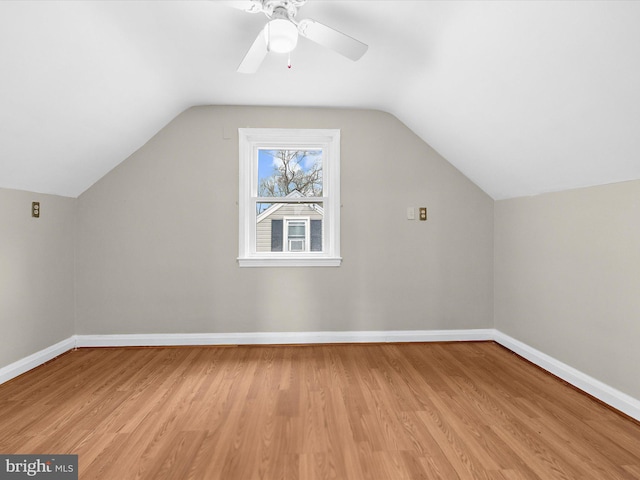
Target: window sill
column 290, row 262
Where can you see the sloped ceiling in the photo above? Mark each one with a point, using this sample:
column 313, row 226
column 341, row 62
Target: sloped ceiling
column 522, row 97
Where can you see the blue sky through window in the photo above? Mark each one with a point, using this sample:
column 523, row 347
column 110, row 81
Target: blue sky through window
column 268, row 162
column 302, row 173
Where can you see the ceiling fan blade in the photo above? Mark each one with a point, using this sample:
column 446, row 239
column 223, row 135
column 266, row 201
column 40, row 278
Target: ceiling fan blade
column 254, row 57
column 330, row 38
column 251, row 6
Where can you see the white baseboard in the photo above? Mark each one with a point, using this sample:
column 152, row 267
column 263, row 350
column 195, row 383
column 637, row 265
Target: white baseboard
column 603, row 392
column 596, row 388
column 283, row 338
column 32, row 361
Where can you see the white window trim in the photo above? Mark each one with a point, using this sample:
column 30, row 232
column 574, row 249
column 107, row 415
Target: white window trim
column 252, row 139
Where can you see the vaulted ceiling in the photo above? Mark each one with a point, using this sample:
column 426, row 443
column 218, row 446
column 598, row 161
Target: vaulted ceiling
column 522, row 97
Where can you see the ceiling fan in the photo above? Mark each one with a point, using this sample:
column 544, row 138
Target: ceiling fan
column 280, row 34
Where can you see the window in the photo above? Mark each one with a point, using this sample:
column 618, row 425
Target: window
column 297, row 238
column 289, row 204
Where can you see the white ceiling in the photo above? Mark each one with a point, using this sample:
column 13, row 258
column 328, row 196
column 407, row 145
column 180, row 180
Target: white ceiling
column 522, row 97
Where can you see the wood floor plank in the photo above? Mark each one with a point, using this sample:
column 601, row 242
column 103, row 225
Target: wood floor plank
column 372, row 412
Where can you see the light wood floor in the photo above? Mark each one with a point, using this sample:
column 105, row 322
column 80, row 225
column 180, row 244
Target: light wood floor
column 429, row 411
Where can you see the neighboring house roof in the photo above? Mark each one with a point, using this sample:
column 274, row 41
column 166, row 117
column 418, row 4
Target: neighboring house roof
column 276, row 206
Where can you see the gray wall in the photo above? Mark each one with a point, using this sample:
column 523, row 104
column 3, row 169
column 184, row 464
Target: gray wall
column 567, row 278
column 36, row 273
column 156, row 245
column 157, row 236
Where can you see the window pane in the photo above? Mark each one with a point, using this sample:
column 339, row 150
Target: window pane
column 296, row 229
column 278, row 229
column 283, row 173
column 296, row 245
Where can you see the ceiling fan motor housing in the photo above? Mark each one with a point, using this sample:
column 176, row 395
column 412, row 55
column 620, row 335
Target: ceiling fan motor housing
column 276, row 8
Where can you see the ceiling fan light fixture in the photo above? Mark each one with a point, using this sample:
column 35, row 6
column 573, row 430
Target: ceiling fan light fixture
column 281, row 35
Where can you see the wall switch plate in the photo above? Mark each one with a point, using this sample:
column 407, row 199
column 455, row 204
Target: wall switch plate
column 423, row 213
column 35, row 209
column 411, row 213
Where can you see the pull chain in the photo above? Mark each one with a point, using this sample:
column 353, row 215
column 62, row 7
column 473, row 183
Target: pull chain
column 289, row 62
